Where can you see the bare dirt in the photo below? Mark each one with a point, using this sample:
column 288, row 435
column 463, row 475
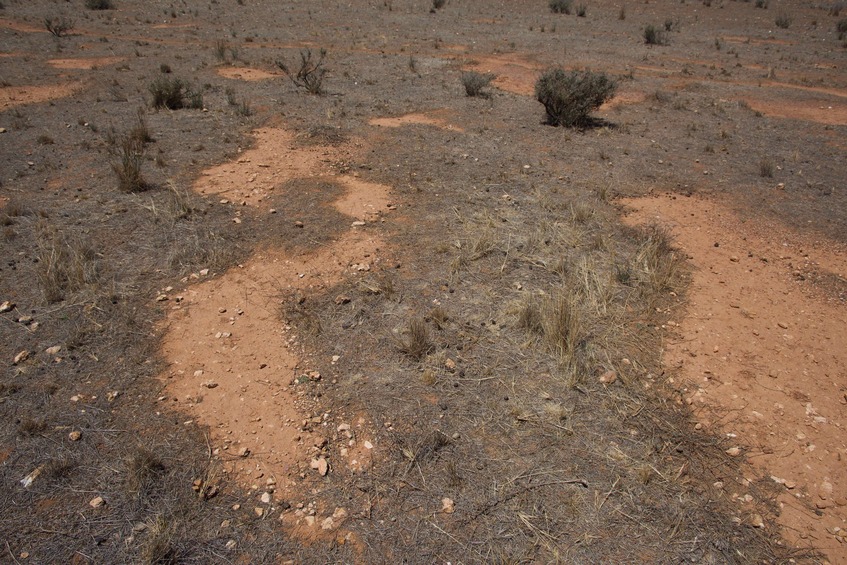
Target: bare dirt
column 319, row 334
column 758, row 353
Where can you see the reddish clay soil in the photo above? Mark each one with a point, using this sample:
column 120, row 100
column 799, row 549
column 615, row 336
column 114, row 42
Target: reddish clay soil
column 13, row 96
column 760, row 355
column 236, row 368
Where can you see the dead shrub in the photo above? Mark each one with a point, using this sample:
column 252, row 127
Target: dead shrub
column 58, row 26
column 562, row 324
column 659, row 264
column 311, row 73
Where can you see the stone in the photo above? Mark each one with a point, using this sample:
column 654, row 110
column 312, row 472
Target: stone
column 310, row 520
column 320, row 465
column 53, row 350
column 75, row 435
column 783, row 325
column 6, row 306
column 96, row 502
column 230, row 545
column 259, row 511
column 447, row 505
column 210, row 384
column 756, row 521
column 328, row 523
column 245, row 452
column 20, row 357
column 368, row 445
column 733, row 451
column 266, row 498
column 342, row 299
column 608, row 377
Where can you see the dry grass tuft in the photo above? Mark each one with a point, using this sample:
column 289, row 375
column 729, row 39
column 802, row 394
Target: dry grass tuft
column 158, row 547
column 417, row 343
column 143, row 468
column 65, row 265
column 130, row 153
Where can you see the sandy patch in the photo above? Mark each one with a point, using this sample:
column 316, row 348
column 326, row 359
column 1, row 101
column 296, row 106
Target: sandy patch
column 625, row 98
column 255, row 174
column 515, row 73
column 830, row 113
column 21, row 26
column 415, row 119
column 84, row 64
column 245, row 73
column 237, row 368
column 763, row 359
column 13, row 96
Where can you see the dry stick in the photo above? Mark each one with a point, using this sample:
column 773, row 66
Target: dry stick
column 12, row 555
column 608, row 494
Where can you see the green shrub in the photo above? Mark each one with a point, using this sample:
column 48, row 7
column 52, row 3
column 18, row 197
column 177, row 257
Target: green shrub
column 569, row 97
column 560, row 6
column 474, row 83
column 99, row 4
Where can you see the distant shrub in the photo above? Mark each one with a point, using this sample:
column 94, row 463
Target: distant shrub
column 174, row 93
column 99, row 4
column 766, row 168
column 311, row 73
column 782, row 21
column 130, row 153
column 58, row 26
column 438, row 4
column 654, row 36
column 581, row 10
column 474, row 83
column 560, row 6
column 569, row 97
column 762, row 4
column 841, row 28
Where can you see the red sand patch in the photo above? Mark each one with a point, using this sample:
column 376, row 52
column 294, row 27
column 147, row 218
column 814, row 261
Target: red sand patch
column 831, row 113
column 21, row 26
column 762, row 359
column 13, row 96
column 245, row 73
column 258, row 171
column 625, row 98
column 238, row 369
column 84, row 64
column 414, row 119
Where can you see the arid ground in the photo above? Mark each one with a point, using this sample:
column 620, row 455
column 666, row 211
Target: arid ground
column 393, row 323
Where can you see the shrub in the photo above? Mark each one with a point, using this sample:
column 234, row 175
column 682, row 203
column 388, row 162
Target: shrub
column 762, row 4
column 311, row 73
column 99, row 4
column 569, row 97
column 782, row 21
column 841, row 28
column 474, row 83
column 58, row 26
column 581, row 10
column 438, row 4
column 560, row 6
column 766, row 168
column 653, row 35
column 174, row 93
column 130, row 154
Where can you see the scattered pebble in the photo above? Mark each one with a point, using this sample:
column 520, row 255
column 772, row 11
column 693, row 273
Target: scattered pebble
column 75, row 435
column 97, row 502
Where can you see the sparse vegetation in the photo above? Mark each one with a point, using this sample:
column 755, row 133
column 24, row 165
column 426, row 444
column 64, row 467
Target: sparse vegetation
column 560, row 6
column 174, row 94
column 438, row 4
column 570, row 97
column 655, row 36
column 763, row 4
column 99, row 4
column 310, row 75
column 130, row 155
column 58, row 26
column 475, row 82
column 417, row 342
column 841, row 28
column 581, row 10
column 65, row 264
column 766, row 168
column 782, row 21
